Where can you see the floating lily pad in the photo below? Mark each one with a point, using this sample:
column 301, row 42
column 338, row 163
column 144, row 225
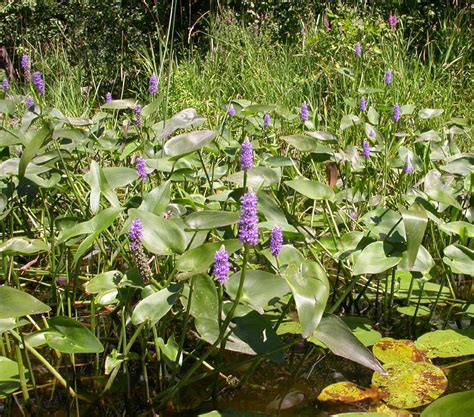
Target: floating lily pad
column 446, row 343
column 390, row 350
column 410, row 384
column 347, row 392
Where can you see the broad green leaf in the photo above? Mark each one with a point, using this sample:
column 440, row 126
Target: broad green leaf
column 459, row 404
column 443, row 196
column 7, row 106
column 373, row 116
column 103, row 282
column 385, row 224
column 459, row 228
column 310, row 288
column 32, row 148
column 259, row 290
column 374, row 259
column 306, row 144
column 429, row 113
column 153, row 107
column 257, row 177
column 325, row 136
column 188, row 142
column 155, row 306
column 348, row 120
column 460, row 164
column 157, row 199
column 199, row 259
column 423, row 263
column 99, row 185
column 428, row 136
column 254, row 109
column 120, row 104
column 415, row 221
column 210, row 219
column 10, row 324
column 335, row 334
column 389, row 350
column 69, row 336
column 23, row 246
column 414, row 310
column 160, row 236
column 347, row 392
column 459, row 258
column 9, row 376
column 8, row 138
column 407, row 109
column 410, row 384
column 16, row 303
column 311, row 189
column 446, row 343
column 118, row 177
column 361, row 327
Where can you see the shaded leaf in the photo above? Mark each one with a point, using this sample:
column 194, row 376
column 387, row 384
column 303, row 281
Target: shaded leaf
column 459, row 404
column 16, row 303
column 9, row 376
column 459, row 258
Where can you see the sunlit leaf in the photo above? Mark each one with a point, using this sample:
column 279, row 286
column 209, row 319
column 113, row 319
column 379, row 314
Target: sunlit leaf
column 415, row 221
column 311, row 189
column 347, row 392
column 446, row 343
column 188, row 142
column 209, row 219
column 16, row 303
column 23, row 246
column 9, row 376
column 459, row 258
column 390, row 350
column 375, row 258
column 429, row 113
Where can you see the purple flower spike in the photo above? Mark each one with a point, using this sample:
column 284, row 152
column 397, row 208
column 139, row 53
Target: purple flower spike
column 5, row 84
column 246, row 155
column 392, row 22
column 38, row 82
column 25, row 66
column 266, row 120
column 231, row 111
column 221, row 267
column 276, row 241
column 248, row 224
column 141, row 169
column 408, row 165
column 357, row 50
column 30, row 103
column 108, row 97
column 396, row 113
column 388, row 77
column 135, row 234
column 362, row 104
column 327, row 24
column 304, row 112
column 365, row 148
column 153, row 88
column 138, row 116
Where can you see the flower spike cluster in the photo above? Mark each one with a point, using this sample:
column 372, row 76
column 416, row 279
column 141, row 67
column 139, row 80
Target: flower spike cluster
column 276, row 240
column 246, row 155
column 135, row 235
column 153, row 88
column 221, row 267
column 38, row 82
column 248, row 224
column 304, row 112
column 141, row 169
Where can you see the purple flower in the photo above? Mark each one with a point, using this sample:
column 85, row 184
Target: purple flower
column 135, row 233
column 408, row 169
column 108, row 97
column 353, row 216
column 229, row 20
column 25, row 66
column 396, row 113
column 38, row 82
column 392, row 21
column 141, row 169
column 327, row 24
column 276, row 240
column 246, row 155
column 153, row 88
column 388, row 77
column 248, row 224
column 266, row 120
column 362, row 104
column 5, row 84
column 221, row 267
column 29, row 103
column 231, row 110
column 304, row 112
column 138, row 116
column 357, row 50
column 365, row 148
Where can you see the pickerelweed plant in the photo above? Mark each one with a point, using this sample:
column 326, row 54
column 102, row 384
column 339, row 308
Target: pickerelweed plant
column 188, row 237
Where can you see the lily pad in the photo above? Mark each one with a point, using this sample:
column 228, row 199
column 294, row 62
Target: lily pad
column 392, row 350
column 347, row 392
column 446, row 343
column 410, row 384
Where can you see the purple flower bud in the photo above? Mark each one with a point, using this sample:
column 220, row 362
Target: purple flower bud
column 231, row 110
column 357, row 50
column 246, row 155
column 153, row 88
column 388, row 77
column 135, row 234
column 392, row 21
column 5, row 84
column 38, row 82
column 362, row 104
column 141, row 169
column 304, row 112
column 248, row 224
column 221, row 267
column 30, row 103
column 396, row 113
column 372, row 133
column 108, row 97
column 353, row 216
column 327, row 24
column 365, row 148
column 138, row 116
column 25, row 66
column 266, row 120
column 408, row 169
column 229, row 20
column 276, row 241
